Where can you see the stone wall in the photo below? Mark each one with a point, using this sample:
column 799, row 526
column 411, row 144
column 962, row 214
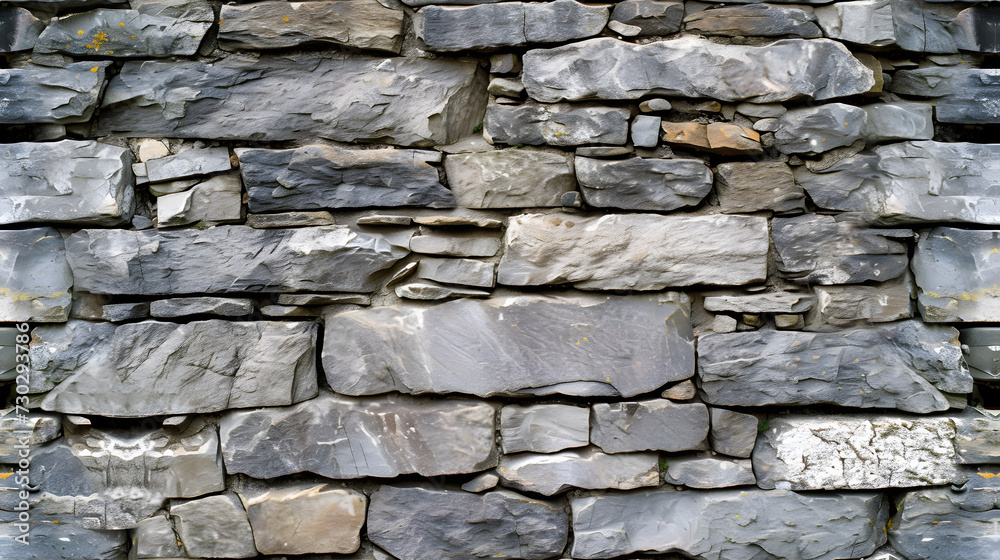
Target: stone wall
column 453, row 279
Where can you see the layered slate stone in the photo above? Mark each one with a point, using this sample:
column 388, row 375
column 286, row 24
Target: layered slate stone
column 771, row 302
column 406, row 101
column 560, row 124
column 733, row 433
column 346, row 437
column 709, row 472
column 274, row 25
column 20, row 29
column 151, row 368
column 736, row 523
column 935, row 27
column 35, row 278
column 813, row 130
column 755, row 186
column 821, row 250
column 230, row 259
column 423, row 523
column 758, row 20
column 964, row 95
column 41, row 94
column 152, row 29
column 845, row 306
column 903, row 365
column 655, row 424
column 633, row 251
column 505, row 24
column 58, row 351
column 646, row 17
column 820, row 69
column 214, row 527
column 512, row 178
column 588, row 468
column 956, row 274
column 543, row 428
column 569, row 344
column 643, row 183
column 865, row 22
column 317, row 176
column 467, row 272
column 189, row 163
column 219, row 200
column 48, row 539
column 862, row 451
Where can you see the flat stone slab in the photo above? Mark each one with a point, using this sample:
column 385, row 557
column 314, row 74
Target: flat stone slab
column 818, row 68
column 758, row 20
column 905, row 365
column 814, row 130
column 709, row 472
column 346, row 437
column 956, row 276
column 217, row 200
column 21, row 29
column 317, row 176
column 421, row 523
column 552, row 473
column 655, row 424
column 857, row 452
column 964, row 95
column 408, row 101
column 35, row 94
column 511, row 178
column 773, row 302
column 643, row 183
column 733, row 433
column 755, row 186
column 466, row 272
column 189, row 163
column 182, row 307
column 49, row 540
column 151, row 368
column 723, row 524
column 847, row 306
column 573, row 345
column 230, row 259
column 216, row 526
column 559, row 124
column 633, row 251
column 35, row 277
column 864, row 22
column 543, row 428
column 455, row 244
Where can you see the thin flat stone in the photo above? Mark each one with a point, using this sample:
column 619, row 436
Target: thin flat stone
column 655, row 424
column 188, row 163
column 323, row 299
column 558, row 124
column 466, row 272
column 774, row 302
column 552, row 473
column 430, row 291
column 543, row 428
column 455, row 244
column 511, row 178
column 35, row 94
column 709, row 472
column 643, row 183
column 290, row 219
column 181, row 307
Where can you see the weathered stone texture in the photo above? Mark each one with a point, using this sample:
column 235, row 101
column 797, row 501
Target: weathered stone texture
column 646, row 17
column 643, row 184
column 512, row 178
column 39, row 94
column 733, row 433
column 657, row 425
column 35, row 277
column 956, row 276
column 214, row 527
column 709, row 472
column 559, row 124
column 755, row 186
column 846, row 306
column 218, row 200
column 762, row 20
column 866, row 22
column 964, row 95
column 19, row 29
column 552, row 473
column 818, row 129
column 543, row 428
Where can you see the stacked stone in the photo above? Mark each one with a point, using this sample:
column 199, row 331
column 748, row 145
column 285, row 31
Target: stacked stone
column 451, row 279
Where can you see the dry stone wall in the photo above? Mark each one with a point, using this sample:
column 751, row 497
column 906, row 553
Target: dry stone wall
column 458, row 279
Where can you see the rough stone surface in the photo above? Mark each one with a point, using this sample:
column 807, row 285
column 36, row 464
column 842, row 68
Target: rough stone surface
column 964, row 95
column 929, row 27
column 39, row 94
column 154, row 537
column 346, row 437
column 215, row 527
column 656, row 424
column 755, row 186
column 455, row 244
column 35, row 278
column 903, row 365
column 421, row 523
column 534, row 347
column 846, row 306
column 649, row 17
column 733, row 433
column 466, row 272
column 290, row 219
column 511, row 178
column 551, row 473
column 365, row 24
column 856, row 452
column 772, row 302
column 117, row 312
column 633, row 251
column 821, row 69
column 318, row 176
column 432, row 291
column 543, row 428
column 899, row 120
column 646, row 129
column 813, row 130
column 19, row 29
column 50, row 540
column 728, row 524
column 482, row 483
column 40, row 427
column 180, row 307
column 323, row 299
column 761, row 20
column 865, row 22
column 709, row 472
column 231, row 259
column 151, row 368
column 219, row 200
column 643, row 184
column 956, row 276
column 421, row 102
column 559, row 124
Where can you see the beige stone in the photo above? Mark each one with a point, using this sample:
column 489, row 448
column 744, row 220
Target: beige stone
column 302, row 518
column 731, row 140
column 686, row 134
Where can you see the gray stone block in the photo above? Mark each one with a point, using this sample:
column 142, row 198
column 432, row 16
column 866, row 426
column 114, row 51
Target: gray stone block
column 709, row 472
column 733, row 433
column 48, row 540
column 511, row 178
column 956, row 280
column 117, row 312
column 756, row 186
column 656, row 424
column 759, row 20
column 864, row 22
column 181, row 307
column 466, row 272
column 189, row 163
column 215, row 527
column 643, row 183
column 650, row 17
column 814, row 130
column 456, row 244
column 559, row 124
column 36, row 428
column 431, row 291
column 964, row 95
column 646, row 128
column 552, row 473
column 849, row 306
column 899, row 120
column 218, row 200
column 543, row 428
column 772, row 302
column 35, row 277
column 35, row 94
column 19, row 29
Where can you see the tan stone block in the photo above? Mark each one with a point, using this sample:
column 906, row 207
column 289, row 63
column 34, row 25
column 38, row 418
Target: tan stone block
column 305, row 518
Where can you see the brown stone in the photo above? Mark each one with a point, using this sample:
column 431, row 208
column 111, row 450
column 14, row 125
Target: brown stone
column 732, row 140
column 686, row 134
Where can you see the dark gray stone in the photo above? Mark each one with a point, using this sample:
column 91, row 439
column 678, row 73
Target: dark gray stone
column 864, row 22
column 560, row 124
column 151, row 368
column 588, row 468
column 488, row 26
column 290, row 219
column 729, row 524
column 230, row 259
column 318, row 176
column 903, row 365
column 927, row 27
column 733, row 433
column 847, row 306
column 58, row 351
column 656, row 424
column 756, row 186
column 19, row 29
column 645, row 129
column 189, row 163
column 466, row 272
column 643, row 184
column 117, row 312
column 633, row 251
column 820, row 250
column 759, row 20
column 850, row 184
column 323, row 299
column 964, row 95
column 512, row 178
column 181, row 307
column 406, row 101
column 820, row 69
column 421, row 523
column 543, row 428
column 956, row 276
column 650, row 17
column 36, row 94
column 569, row 344
column 814, row 130
column 346, row 437
column 48, row 540
column 35, row 278
column 365, row 24
column 709, row 472
column 216, row 527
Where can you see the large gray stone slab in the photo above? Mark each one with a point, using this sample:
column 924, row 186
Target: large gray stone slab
column 69, row 182
column 928, row 27
column 365, row 24
column 58, row 351
column 559, row 124
column 814, row 130
column 511, row 178
column 346, row 437
column 406, row 101
column 505, row 24
column 214, row 527
column 643, row 183
column 758, row 20
column 655, row 425
column 48, row 540
column 543, row 428
column 788, row 69
column 152, row 29
column 35, row 94
column 230, row 259
column 709, row 472
column 552, row 473
column 633, row 251
column 964, row 95
column 35, row 278
column 859, row 451
column 569, row 344
column 755, row 186
column 151, row 368
column 821, row 250
column 729, row 524
column 905, row 365
column 956, row 275
column 864, row 22
column 19, row 29
column 318, row 176
column 847, row 306
column 422, row 523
